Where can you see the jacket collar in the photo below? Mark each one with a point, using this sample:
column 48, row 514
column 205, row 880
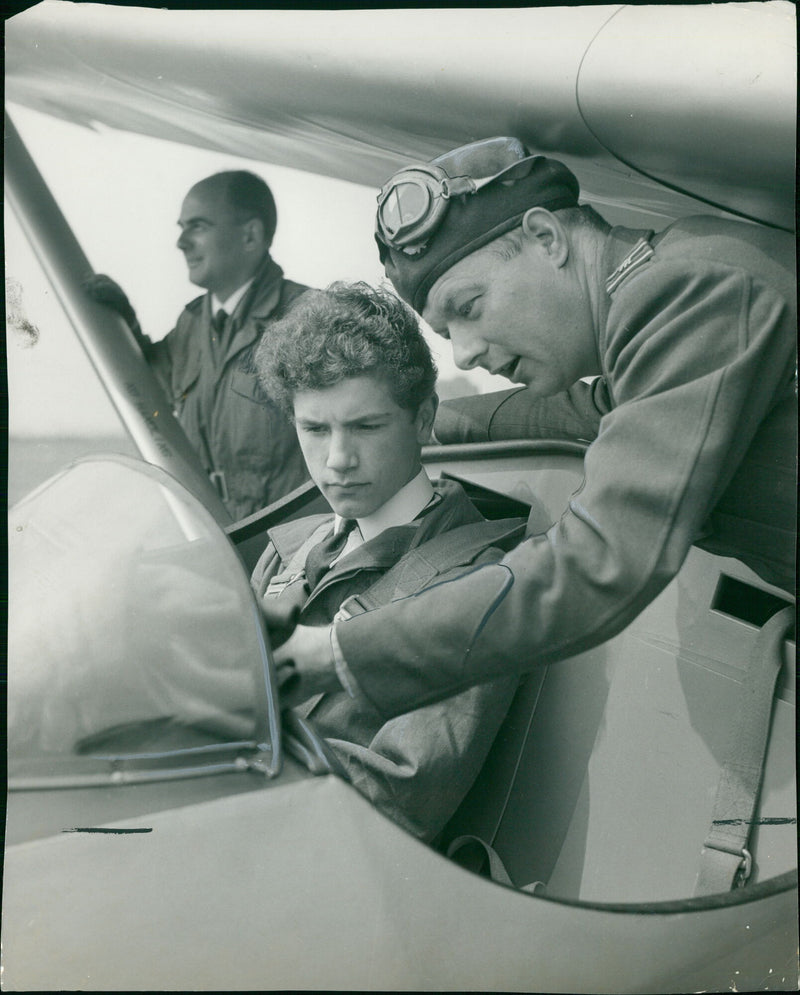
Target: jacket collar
column 231, row 303
column 619, row 244
column 449, row 508
column 262, row 297
column 403, row 507
column 381, row 551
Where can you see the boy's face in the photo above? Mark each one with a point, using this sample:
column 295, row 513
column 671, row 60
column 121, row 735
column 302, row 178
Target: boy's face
column 359, row 445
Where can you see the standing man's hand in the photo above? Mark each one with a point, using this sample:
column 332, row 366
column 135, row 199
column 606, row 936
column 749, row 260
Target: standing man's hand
column 104, row 290
column 306, row 665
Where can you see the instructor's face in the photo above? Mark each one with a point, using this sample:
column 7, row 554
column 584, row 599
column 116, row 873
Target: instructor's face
column 524, row 318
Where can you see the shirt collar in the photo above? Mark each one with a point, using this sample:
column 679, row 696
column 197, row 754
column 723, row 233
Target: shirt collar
column 401, row 509
column 229, row 304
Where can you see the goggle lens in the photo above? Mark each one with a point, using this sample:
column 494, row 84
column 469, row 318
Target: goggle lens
column 405, row 204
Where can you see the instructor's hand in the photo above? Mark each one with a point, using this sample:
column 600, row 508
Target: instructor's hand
column 104, row 290
column 306, row 665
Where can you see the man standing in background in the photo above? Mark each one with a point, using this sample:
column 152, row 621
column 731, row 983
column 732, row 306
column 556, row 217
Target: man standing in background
column 204, row 364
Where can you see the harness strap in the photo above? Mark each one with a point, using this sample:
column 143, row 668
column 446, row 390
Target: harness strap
column 497, row 869
column 725, row 861
column 421, row 565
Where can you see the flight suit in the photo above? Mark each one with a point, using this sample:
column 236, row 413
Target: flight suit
column 246, row 444
column 416, row 768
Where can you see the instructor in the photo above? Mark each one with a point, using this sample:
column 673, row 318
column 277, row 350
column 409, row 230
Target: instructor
column 690, row 336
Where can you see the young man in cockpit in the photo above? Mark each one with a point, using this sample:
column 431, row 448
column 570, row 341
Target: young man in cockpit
column 351, row 368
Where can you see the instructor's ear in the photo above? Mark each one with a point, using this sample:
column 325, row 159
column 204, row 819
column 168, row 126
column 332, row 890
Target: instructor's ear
column 547, row 234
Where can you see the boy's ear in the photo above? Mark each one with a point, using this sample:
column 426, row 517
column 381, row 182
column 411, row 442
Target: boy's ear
column 426, row 414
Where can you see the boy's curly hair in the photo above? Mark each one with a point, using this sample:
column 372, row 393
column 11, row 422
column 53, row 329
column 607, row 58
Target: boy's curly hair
column 347, row 330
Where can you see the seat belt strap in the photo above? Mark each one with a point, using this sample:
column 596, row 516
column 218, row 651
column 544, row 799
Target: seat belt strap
column 419, row 567
column 725, row 861
column 497, row 869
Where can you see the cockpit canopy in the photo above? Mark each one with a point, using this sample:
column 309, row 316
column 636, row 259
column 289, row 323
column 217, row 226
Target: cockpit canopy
column 132, row 627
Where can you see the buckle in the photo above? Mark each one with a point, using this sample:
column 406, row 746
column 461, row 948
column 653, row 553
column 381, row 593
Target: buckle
column 349, row 607
column 217, row 478
column 745, row 868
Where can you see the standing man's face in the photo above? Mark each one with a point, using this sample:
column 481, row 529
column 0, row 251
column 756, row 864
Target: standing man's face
column 524, row 318
column 359, row 445
column 219, row 251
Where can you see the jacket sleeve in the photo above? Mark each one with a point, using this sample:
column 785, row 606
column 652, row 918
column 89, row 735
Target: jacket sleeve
column 517, row 414
column 419, row 766
column 698, row 356
column 175, row 359
column 159, row 359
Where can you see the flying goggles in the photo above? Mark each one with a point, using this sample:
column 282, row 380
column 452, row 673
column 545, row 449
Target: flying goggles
column 414, row 202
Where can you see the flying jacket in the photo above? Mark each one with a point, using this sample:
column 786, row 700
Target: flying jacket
column 245, row 443
column 695, row 419
column 417, row 767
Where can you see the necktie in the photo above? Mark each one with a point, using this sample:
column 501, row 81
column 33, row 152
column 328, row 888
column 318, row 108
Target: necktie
column 219, row 320
column 321, row 556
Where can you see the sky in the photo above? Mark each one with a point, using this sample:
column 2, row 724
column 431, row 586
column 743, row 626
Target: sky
column 121, row 193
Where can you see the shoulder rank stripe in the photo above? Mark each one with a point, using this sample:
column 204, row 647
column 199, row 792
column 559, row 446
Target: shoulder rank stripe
column 638, row 255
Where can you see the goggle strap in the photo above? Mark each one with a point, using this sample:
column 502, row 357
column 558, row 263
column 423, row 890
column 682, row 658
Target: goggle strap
column 478, row 184
column 458, row 185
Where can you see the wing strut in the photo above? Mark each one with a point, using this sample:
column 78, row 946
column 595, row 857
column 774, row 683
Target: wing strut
column 109, row 343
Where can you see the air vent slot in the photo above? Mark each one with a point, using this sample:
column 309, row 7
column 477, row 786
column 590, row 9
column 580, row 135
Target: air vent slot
column 745, row 602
